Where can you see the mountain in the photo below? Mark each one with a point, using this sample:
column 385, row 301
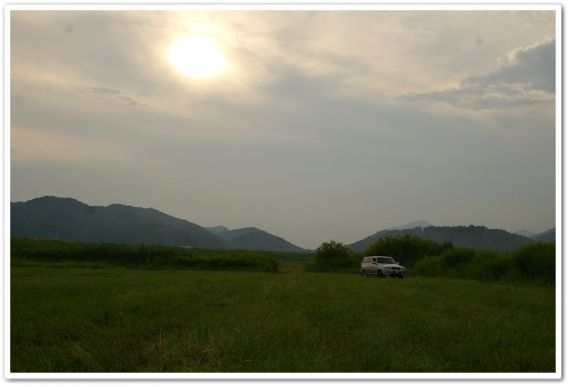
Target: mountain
column 252, row 238
column 217, row 229
column 526, row 233
column 363, row 244
column 68, row 219
column 227, row 234
column 418, row 223
column 476, row 237
column 546, row 236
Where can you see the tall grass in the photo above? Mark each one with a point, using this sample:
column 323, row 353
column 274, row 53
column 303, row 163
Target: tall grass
column 142, row 256
column 532, row 263
column 535, row 262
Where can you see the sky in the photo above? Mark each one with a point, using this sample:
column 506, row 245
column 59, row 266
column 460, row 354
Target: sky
column 311, row 125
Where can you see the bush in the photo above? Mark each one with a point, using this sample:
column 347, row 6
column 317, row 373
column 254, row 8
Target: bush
column 407, row 249
column 534, row 262
column 464, row 263
column 488, row 265
column 457, row 257
column 333, row 256
column 332, row 251
column 431, row 266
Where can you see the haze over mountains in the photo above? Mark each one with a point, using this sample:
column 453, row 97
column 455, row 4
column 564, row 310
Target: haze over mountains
column 69, row 219
column 418, row 223
column 252, row 238
column 545, row 236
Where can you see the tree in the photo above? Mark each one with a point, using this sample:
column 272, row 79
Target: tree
column 332, row 256
column 332, row 251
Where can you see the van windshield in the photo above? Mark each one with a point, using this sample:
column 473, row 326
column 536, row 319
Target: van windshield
column 385, row 260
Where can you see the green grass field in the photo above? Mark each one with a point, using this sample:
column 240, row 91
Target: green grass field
column 98, row 318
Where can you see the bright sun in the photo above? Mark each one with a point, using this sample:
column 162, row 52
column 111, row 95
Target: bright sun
column 197, row 57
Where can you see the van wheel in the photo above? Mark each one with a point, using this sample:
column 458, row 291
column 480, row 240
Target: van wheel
column 364, row 273
column 380, row 274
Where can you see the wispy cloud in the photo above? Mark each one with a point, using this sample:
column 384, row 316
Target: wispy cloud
column 118, row 94
column 524, row 77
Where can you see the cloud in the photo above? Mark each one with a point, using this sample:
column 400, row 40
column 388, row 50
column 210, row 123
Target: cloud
column 476, row 97
column 531, row 66
column 524, row 78
column 311, row 98
column 369, row 54
column 118, row 94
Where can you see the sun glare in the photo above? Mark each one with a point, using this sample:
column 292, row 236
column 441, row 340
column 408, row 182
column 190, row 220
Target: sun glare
column 197, row 57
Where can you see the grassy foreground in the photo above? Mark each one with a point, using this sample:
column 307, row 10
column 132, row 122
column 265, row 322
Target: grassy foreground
column 97, row 318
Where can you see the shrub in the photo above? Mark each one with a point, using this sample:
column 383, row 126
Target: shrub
column 332, row 251
column 457, row 257
column 464, row 263
column 488, row 265
column 407, row 249
column 429, row 266
column 535, row 262
column 333, row 256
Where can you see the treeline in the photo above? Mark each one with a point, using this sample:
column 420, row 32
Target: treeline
column 141, row 256
column 535, row 262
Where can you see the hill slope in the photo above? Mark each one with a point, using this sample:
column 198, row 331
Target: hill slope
column 546, row 236
column 252, row 238
column 477, row 237
column 68, row 219
column 418, row 223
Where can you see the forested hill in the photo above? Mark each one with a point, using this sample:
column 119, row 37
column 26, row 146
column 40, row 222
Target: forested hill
column 477, row 237
column 68, row 219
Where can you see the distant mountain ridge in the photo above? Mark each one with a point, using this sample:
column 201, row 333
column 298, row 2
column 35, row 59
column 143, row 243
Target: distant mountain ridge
column 217, row 229
column 51, row 217
column 546, row 236
column 477, row 237
column 252, row 238
column 68, row 219
column 418, row 223
column 525, row 233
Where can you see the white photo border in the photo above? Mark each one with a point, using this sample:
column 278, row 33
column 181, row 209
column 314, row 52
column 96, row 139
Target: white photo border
column 280, row 6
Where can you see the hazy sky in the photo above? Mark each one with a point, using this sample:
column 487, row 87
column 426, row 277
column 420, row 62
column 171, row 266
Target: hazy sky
column 311, row 125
